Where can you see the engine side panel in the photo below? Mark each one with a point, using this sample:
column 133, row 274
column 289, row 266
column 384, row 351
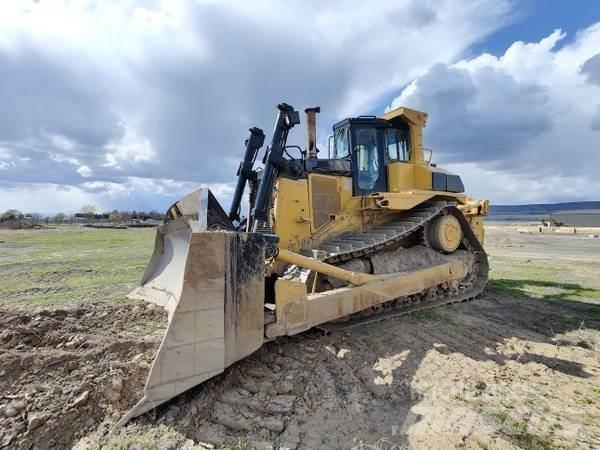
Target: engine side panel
column 291, row 213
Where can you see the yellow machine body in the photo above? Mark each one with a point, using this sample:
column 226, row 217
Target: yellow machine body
column 327, row 254
column 308, row 211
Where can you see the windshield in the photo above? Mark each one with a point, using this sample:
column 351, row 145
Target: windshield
column 341, row 149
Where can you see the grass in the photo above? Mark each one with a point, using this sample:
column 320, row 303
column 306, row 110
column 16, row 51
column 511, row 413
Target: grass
column 70, row 266
column 435, row 315
column 459, row 396
column 555, row 281
column 545, row 290
column 234, row 444
column 548, row 280
column 517, row 430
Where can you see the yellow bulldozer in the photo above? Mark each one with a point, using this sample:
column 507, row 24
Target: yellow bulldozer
column 373, row 230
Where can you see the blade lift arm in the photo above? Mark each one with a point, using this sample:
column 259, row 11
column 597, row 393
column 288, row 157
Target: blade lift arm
column 245, row 171
column 274, row 162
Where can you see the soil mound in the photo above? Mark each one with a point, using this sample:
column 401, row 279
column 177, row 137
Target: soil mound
column 65, row 373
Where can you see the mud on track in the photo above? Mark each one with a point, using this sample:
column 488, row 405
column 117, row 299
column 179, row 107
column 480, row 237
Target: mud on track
column 64, row 372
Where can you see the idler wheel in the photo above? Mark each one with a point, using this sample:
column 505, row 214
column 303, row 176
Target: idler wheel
column 444, row 234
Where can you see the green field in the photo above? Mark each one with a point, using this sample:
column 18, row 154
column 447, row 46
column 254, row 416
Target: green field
column 70, row 266
column 549, row 267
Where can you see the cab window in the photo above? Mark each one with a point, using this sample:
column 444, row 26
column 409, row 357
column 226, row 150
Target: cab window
column 341, row 147
column 398, row 146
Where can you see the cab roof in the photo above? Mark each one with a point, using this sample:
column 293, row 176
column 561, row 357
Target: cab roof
column 413, row 116
column 363, row 120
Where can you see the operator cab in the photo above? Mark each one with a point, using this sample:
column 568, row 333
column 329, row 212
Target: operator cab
column 381, row 154
column 369, row 144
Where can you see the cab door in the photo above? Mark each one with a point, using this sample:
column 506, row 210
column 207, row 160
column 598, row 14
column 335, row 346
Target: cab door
column 368, row 160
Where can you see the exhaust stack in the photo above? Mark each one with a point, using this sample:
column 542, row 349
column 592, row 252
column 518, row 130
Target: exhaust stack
column 311, row 132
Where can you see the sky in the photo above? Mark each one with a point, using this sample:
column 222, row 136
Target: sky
column 131, row 104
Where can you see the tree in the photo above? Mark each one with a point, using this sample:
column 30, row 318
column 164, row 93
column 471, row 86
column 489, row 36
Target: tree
column 115, row 216
column 12, row 214
column 59, row 218
column 89, row 210
column 156, row 215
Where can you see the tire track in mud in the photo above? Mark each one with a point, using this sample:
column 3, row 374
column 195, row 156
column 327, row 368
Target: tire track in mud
column 69, row 374
column 291, row 393
column 363, row 385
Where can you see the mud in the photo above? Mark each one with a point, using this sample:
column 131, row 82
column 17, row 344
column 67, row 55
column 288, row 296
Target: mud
column 409, row 259
column 443, row 379
column 66, row 373
column 21, row 226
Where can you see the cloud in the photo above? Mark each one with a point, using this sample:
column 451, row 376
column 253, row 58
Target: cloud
column 591, row 69
column 595, row 123
column 526, row 121
column 134, row 193
column 167, row 89
column 484, row 116
column 130, row 104
column 84, row 171
column 523, row 187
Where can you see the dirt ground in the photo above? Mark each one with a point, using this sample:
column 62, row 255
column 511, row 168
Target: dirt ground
column 62, row 372
column 517, row 368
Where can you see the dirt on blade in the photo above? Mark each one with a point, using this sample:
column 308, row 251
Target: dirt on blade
column 65, row 372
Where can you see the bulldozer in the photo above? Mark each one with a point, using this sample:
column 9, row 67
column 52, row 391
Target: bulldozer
column 372, row 231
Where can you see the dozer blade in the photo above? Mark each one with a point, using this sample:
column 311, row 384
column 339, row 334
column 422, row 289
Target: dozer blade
column 211, row 282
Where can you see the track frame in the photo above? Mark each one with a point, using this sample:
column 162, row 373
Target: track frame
column 291, row 306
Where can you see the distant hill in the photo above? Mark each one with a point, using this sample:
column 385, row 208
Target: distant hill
column 534, row 211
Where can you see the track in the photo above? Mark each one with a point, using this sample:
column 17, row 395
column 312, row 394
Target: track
column 356, row 245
